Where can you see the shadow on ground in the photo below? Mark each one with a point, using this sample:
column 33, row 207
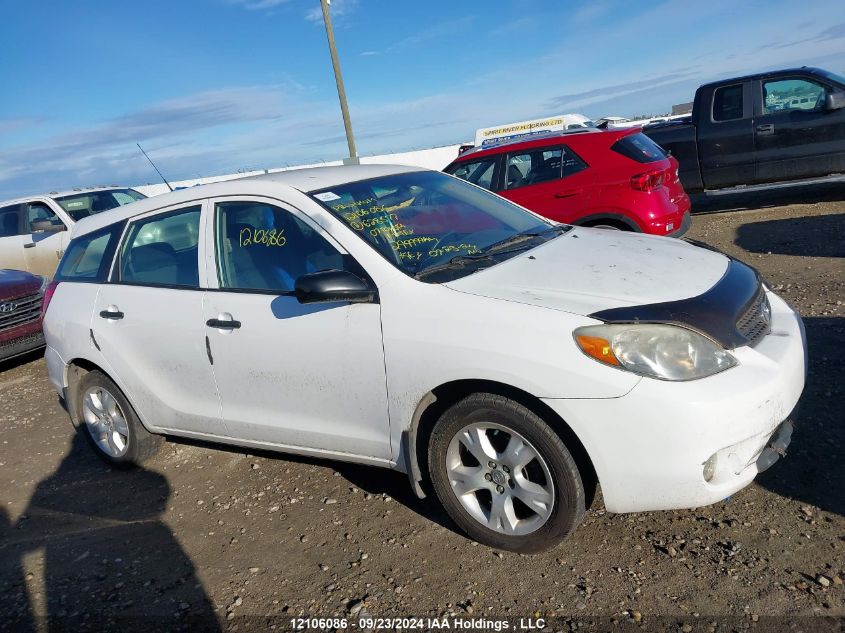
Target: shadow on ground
column 802, row 236
column 775, row 196
column 92, row 553
column 813, row 471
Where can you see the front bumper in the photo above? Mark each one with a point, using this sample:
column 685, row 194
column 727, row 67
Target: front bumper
column 21, row 339
column 650, row 447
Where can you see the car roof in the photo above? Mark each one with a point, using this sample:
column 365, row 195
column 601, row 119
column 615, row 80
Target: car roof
column 803, row 70
column 540, row 139
column 60, row 194
column 305, row 180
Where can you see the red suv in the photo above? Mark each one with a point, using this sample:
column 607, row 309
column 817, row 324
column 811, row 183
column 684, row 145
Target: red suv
column 21, row 295
column 616, row 179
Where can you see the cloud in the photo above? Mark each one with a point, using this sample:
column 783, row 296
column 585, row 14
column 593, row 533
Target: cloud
column 589, row 11
column 606, row 92
column 259, row 5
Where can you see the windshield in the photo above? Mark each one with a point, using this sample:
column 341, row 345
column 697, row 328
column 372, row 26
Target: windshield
column 428, row 222
column 81, row 205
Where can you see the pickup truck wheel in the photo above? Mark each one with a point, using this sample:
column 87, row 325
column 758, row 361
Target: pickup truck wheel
column 111, row 424
column 504, row 476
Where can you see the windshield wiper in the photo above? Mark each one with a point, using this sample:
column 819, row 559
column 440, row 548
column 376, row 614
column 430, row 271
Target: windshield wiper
column 497, row 248
column 522, row 237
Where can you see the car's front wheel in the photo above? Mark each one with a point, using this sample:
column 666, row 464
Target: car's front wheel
column 110, row 422
column 504, row 476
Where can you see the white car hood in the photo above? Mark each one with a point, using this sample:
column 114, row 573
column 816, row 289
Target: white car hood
column 587, row 270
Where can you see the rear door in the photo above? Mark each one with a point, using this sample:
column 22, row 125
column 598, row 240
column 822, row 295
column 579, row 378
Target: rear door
column 551, row 181
column 726, row 136
column 796, row 137
column 43, row 249
column 148, row 323
column 308, row 377
column 12, row 237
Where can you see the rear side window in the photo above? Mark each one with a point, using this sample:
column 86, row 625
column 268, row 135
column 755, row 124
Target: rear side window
column 478, row 172
column 541, row 165
column 10, row 223
column 640, row 148
column 727, row 103
column 163, row 250
column 89, row 256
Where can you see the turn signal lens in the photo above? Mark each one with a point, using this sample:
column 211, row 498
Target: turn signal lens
column 597, row 347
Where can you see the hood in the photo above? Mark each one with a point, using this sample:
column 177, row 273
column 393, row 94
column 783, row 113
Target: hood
column 17, row 283
column 588, row 270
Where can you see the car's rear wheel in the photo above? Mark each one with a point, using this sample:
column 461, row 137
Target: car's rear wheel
column 504, row 476
column 111, row 424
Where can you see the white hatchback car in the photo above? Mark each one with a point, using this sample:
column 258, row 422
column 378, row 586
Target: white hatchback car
column 407, row 319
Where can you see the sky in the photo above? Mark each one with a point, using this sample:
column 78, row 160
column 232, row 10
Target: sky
column 218, row 86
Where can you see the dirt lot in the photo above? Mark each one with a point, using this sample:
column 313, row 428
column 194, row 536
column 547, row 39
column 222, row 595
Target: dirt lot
column 207, row 537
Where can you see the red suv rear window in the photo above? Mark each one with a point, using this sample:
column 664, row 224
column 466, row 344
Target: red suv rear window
column 640, row 148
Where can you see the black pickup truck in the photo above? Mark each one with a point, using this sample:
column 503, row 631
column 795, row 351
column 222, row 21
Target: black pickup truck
column 770, row 127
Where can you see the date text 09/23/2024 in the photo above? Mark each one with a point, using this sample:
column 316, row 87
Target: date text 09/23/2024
column 422, row 624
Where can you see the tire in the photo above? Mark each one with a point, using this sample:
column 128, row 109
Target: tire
column 110, row 423
column 609, row 227
column 486, row 500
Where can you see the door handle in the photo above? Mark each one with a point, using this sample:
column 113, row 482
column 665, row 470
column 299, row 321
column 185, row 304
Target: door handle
column 113, row 315
column 765, row 130
column 29, row 245
column 220, row 324
column 569, row 193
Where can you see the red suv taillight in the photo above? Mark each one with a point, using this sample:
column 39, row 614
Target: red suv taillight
column 649, row 181
column 48, row 294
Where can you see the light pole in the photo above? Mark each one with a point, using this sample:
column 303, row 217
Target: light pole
column 341, row 93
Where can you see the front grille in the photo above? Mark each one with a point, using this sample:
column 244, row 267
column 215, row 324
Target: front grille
column 15, row 312
column 756, row 322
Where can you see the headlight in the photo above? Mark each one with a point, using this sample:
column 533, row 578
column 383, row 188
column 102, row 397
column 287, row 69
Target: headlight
column 667, row 352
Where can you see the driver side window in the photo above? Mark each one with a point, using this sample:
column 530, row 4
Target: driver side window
column 262, row 247
column 38, row 212
column 792, row 94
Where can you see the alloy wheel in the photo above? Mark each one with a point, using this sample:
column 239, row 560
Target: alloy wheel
column 500, row 478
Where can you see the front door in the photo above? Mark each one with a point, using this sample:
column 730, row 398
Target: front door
column 796, row 136
column 44, row 249
column 551, row 181
column 308, row 377
column 148, row 324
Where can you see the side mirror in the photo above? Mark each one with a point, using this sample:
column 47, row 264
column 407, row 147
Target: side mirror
column 834, row 100
column 333, row 285
column 46, row 226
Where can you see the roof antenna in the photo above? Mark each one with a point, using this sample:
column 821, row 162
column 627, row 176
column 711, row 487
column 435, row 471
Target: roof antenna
column 154, row 166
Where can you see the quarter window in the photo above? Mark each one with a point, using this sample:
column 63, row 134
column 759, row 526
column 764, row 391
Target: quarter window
column 162, row 250
column 89, row 256
column 727, row 103
column 541, row 165
column 263, row 247
column 792, row 94
column 10, row 224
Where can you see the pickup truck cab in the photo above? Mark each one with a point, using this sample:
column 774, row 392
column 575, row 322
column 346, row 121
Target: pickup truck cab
column 770, row 127
column 34, row 230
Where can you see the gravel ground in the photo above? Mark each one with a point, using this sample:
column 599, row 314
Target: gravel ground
column 207, row 537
